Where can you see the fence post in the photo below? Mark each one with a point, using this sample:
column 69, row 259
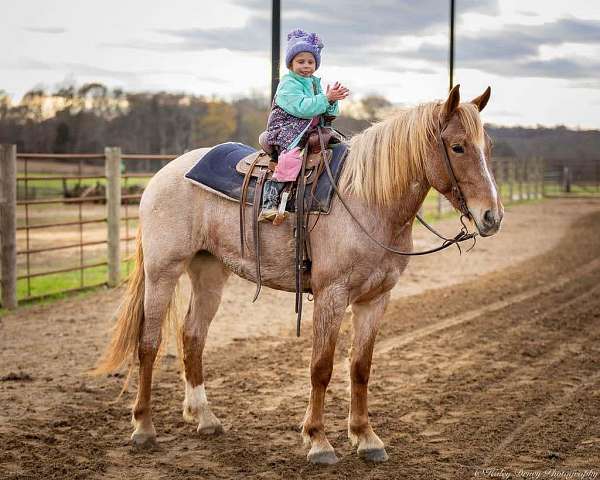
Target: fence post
column 543, row 175
column 540, row 178
column 520, row 166
column 566, row 180
column 511, row 179
column 113, row 212
column 499, row 175
column 8, row 224
column 526, row 172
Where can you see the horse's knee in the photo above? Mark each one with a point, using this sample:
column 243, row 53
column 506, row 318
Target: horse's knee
column 360, row 371
column 320, row 372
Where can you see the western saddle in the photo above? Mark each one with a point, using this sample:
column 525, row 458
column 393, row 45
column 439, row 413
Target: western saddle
column 260, row 166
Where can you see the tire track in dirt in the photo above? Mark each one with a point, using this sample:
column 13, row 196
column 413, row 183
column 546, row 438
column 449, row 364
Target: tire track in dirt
column 389, row 344
column 477, row 391
column 531, row 392
column 514, row 312
column 568, row 394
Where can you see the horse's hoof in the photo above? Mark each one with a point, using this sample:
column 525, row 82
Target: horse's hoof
column 376, row 455
column 323, row 457
column 215, row 429
column 144, row 441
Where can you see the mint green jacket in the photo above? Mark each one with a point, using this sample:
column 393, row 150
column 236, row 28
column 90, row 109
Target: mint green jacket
column 303, row 97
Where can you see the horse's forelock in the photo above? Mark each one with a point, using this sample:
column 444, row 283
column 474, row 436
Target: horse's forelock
column 469, row 118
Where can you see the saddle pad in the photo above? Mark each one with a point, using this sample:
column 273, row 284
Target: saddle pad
column 216, row 172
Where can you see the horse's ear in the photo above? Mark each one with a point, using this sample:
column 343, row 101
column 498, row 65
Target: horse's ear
column 481, row 101
column 451, row 103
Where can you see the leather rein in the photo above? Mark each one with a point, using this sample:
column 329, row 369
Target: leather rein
column 462, row 236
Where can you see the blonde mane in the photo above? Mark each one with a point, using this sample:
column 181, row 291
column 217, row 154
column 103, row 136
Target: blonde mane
column 387, row 156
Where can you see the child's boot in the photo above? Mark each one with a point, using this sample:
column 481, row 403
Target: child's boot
column 270, row 203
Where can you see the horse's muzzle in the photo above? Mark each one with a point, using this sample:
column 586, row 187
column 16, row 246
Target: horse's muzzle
column 488, row 223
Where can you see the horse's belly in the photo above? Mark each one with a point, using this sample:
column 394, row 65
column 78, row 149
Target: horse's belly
column 276, row 273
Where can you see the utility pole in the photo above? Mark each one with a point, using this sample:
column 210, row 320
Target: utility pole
column 275, row 45
column 451, row 45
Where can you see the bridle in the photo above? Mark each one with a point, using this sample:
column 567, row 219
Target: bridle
column 462, row 203
column 462, row 236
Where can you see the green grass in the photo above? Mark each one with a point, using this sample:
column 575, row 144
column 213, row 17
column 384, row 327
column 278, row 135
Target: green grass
column 54, row 187
column 576, row 189
column 57, row 283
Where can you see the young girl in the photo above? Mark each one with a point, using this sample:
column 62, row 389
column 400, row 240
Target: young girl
column 298, row 105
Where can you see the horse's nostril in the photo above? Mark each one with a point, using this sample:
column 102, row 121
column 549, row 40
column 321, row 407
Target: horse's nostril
column 488, row 217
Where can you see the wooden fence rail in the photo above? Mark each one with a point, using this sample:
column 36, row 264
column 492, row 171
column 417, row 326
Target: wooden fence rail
column 517, row 180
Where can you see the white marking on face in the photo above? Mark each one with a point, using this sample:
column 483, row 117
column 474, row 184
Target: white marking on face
column 195, row 396
column 486, row 173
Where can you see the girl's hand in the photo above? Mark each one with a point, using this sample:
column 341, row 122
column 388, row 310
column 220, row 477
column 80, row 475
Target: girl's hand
column 337, row 92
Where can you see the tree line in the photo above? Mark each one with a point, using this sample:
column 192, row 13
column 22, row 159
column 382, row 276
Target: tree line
column 88, row 118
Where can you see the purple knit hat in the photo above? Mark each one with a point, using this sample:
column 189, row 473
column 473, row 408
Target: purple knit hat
column 301, row 41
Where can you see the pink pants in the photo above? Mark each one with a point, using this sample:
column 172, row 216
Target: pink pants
column 289, row 163
column 288, row 166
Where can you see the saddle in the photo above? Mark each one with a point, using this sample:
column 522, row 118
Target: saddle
column 254, row 163
column 260, row 165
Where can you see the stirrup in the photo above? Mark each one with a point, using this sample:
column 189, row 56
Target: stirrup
column 267, row 214
column 281, row 213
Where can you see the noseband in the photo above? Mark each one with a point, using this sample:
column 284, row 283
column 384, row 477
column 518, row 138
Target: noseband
column 462, row 236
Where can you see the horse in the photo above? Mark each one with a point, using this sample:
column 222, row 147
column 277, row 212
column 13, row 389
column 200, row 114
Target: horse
column 389, row 170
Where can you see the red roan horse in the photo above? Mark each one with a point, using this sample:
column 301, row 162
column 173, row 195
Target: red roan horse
column 389, row 170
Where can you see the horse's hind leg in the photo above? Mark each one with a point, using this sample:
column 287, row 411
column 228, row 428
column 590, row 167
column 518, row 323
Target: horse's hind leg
column 365, row 322
column 158, row 293
column 208, row 276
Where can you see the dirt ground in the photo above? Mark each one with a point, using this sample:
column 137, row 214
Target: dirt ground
column 486, row 365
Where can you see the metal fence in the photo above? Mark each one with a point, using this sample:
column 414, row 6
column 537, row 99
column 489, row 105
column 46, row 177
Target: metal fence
column 90, row 203
column 67, row 220
column 579, row 178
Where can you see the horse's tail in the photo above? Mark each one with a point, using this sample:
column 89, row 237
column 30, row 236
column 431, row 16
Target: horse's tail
column 130, row 317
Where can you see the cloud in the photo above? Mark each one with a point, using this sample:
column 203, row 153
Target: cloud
column 94, row 71
column 526, row 13
column 77, row 68
column 359, row 33
column 515, row 49
column 51, row 30
column 565, row 68
column 344, row 25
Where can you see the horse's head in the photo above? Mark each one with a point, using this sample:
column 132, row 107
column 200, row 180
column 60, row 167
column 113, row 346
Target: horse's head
column 468, row 149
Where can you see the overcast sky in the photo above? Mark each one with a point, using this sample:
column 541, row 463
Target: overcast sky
column 541, row 57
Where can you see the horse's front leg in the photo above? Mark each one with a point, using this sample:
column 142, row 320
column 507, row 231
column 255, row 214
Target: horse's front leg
column 365, row 322
column 330, row 304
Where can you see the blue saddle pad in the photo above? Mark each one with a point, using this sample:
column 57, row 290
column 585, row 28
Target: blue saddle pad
column 216, row 171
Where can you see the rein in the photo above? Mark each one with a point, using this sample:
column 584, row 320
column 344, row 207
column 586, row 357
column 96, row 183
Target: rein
column 462, row 236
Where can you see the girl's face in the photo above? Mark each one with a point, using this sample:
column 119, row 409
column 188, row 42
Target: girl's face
column 304, row 64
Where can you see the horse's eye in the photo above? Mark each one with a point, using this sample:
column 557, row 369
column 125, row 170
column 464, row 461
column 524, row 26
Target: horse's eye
column 458, row 149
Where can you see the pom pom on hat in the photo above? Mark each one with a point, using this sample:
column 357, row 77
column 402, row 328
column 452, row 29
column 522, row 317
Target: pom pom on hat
column 301, row 41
